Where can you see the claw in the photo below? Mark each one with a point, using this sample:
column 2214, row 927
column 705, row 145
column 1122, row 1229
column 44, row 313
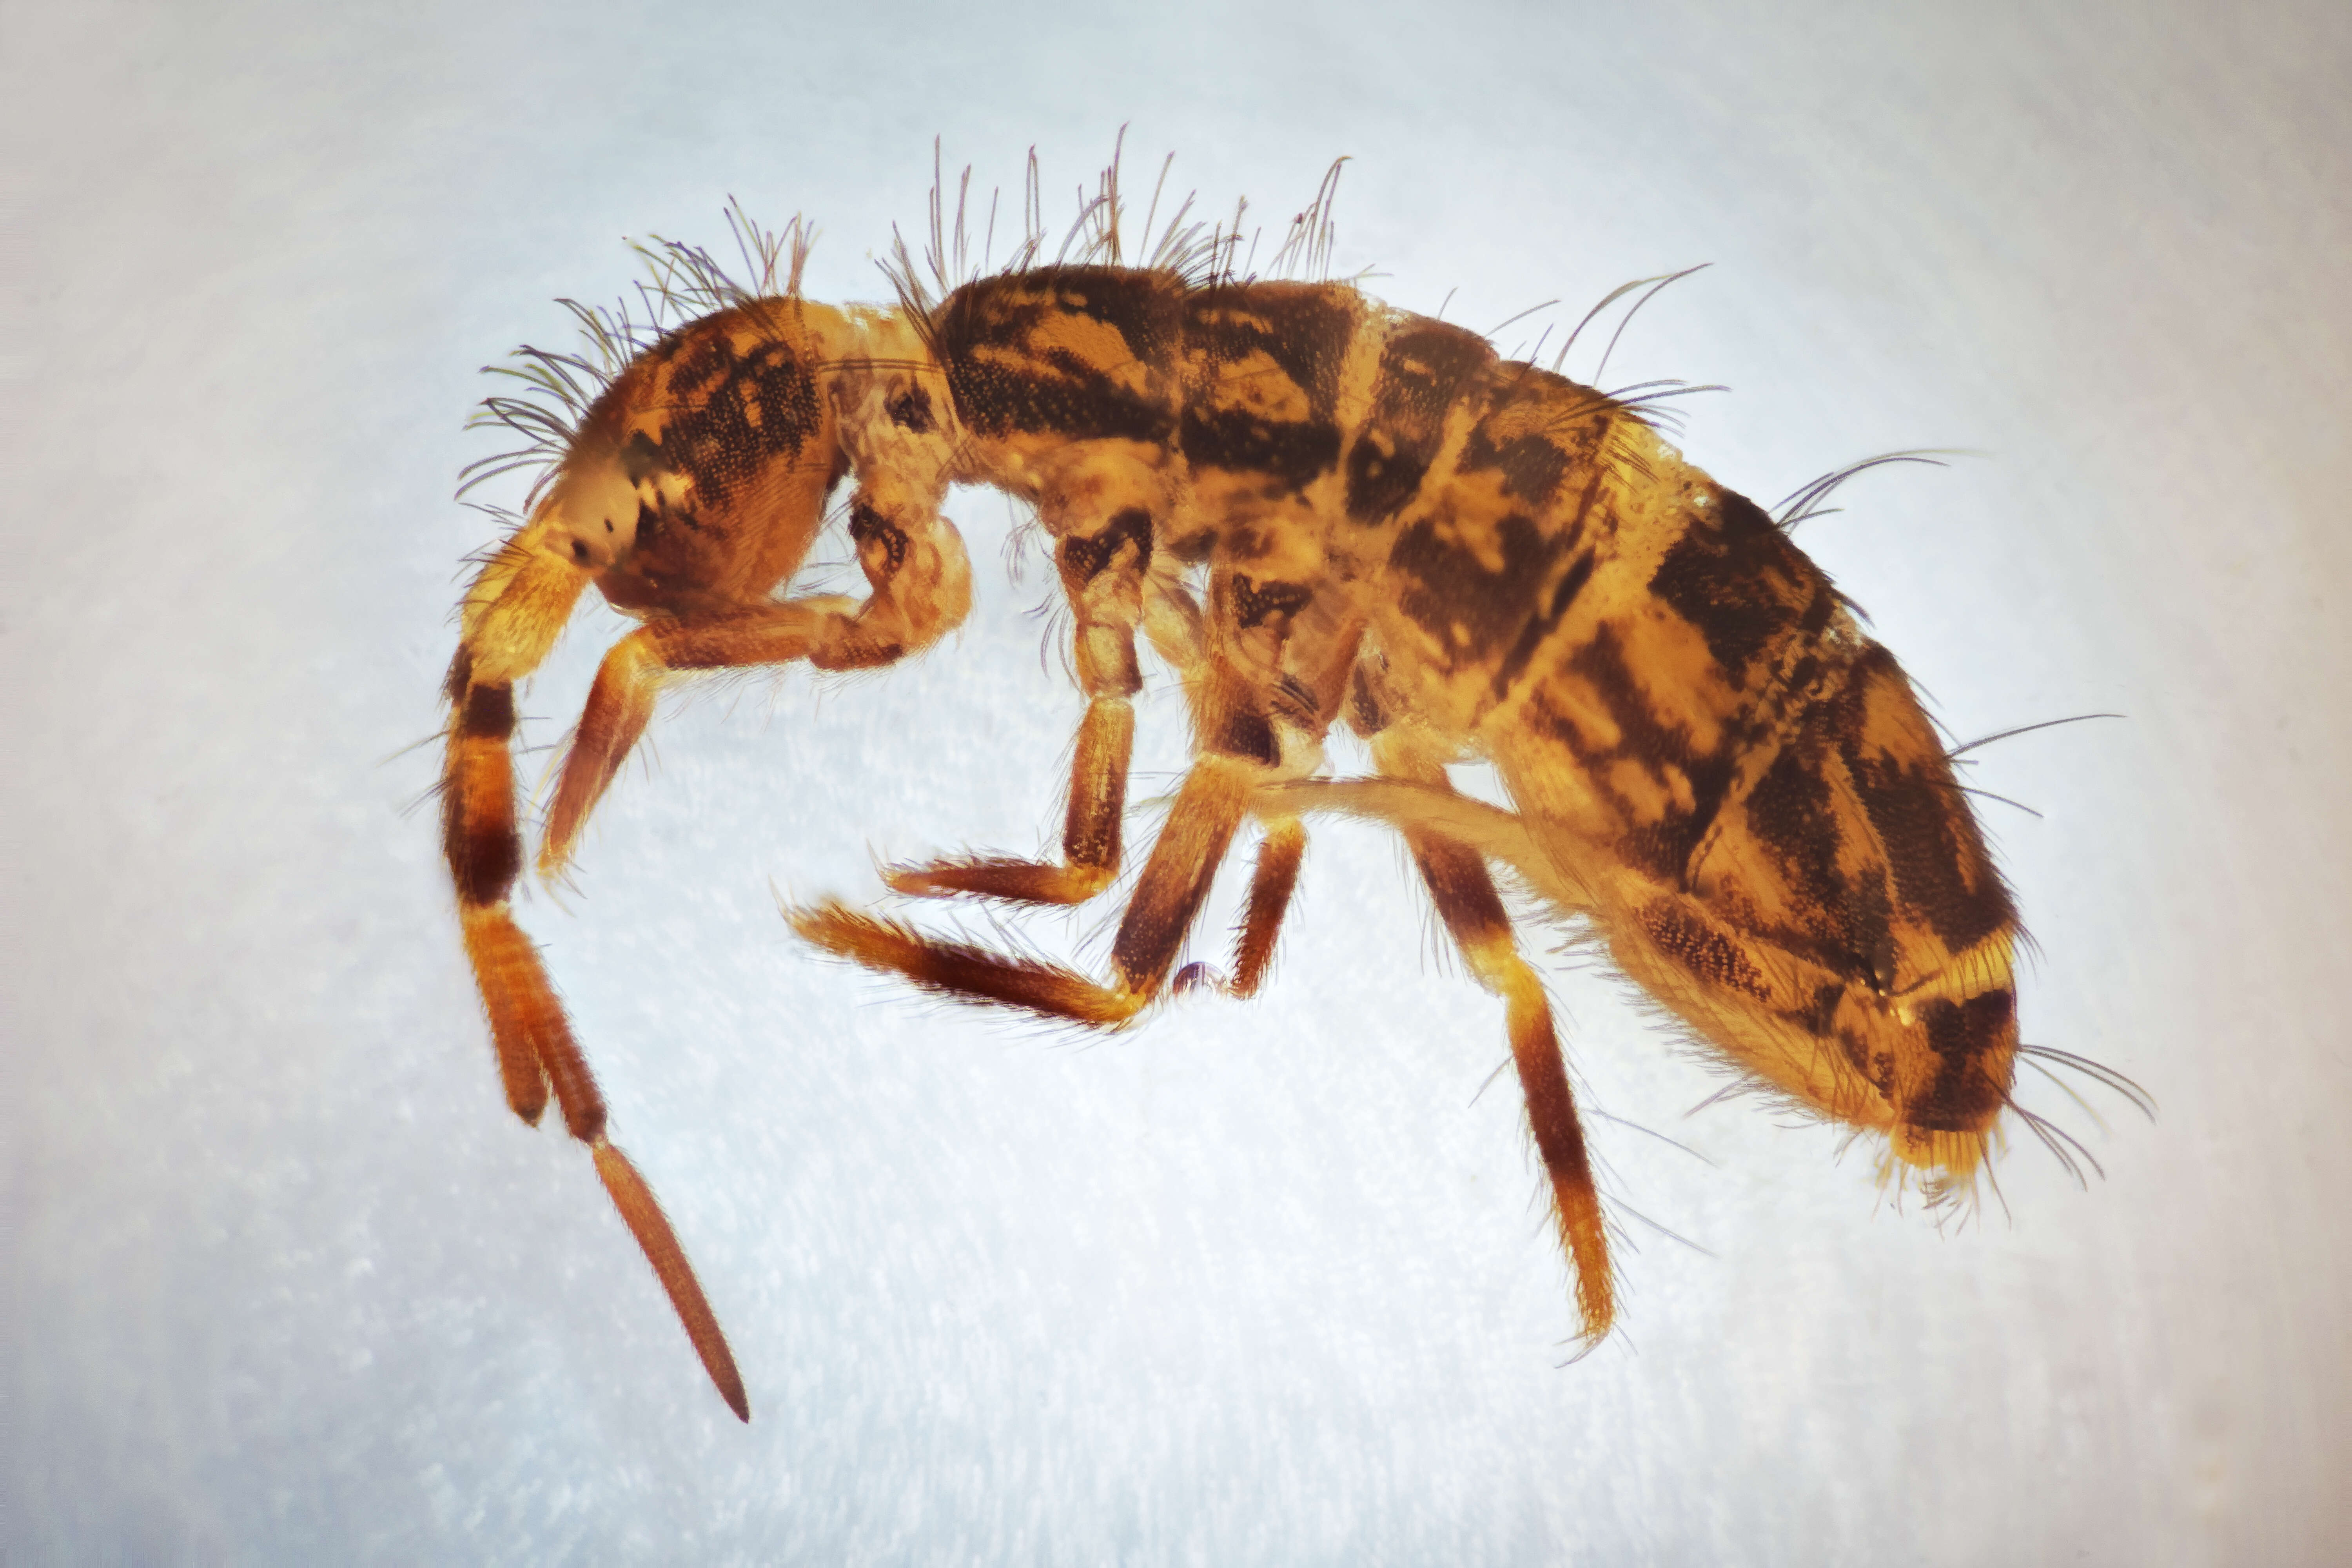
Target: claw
column 1198, row 977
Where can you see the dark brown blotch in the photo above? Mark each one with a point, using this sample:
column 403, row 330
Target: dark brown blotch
column 1009, row 312
column 1530, row 465
column 482, row 865
column 641, row 456
column 489, row 713
column 1791, row 812
column 730, row 414
column 1079, row 403
column 1941, row 869
column 1967, row 1037
column 1143, row 308
column 1943, row 875
column 1700, row 950
column 1083, row 559
column 1545, row 718
column 1425, row 368
column 1555, row 610
column 1739, row 582
column 867, row 526
column 1034, row 387
column 1295, row 453
column 1304, row 328
column 1247, row 734
column 1442, row 583
column 1256, row 604
column 1365, row 715
column 1663, row 846
column 910, row 410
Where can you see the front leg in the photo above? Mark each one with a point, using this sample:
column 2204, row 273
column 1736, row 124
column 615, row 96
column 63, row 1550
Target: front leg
column 923, row 588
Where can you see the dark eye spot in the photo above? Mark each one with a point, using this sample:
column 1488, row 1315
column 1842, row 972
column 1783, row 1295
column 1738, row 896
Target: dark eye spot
column 608, row 525
column 580, row 550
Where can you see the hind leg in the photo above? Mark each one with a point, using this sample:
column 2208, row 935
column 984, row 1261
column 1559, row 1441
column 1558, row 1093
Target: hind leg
column 1463, row 891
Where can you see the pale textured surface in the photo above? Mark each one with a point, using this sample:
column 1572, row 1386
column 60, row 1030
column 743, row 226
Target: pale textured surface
column 1254, row 1284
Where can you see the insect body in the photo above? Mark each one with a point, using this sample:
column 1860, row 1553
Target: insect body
column 1319, row 511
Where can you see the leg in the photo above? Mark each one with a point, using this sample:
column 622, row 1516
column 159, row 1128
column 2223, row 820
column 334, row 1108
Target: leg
column 1233, row 684
column 1103, row 560
column 534, row 1042
column 511, row 616
column 1175, row 880
column 1321, row 662
column 1463, row 892
column 1091, row 846
column 923, row 588
column 621, row 701
column 1467, row 901
column 1275, row 877
column 1271, row 882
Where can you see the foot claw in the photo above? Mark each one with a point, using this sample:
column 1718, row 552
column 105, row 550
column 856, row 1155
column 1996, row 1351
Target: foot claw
column 1197, row 977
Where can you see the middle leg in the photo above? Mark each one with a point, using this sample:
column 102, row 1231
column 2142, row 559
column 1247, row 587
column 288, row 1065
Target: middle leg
column 1238, row 750
column 1175, row 880
column 1104, row 562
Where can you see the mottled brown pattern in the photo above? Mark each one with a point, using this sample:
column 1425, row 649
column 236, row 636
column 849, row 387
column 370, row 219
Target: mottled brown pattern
column 1703, row 952
column 1308, row 504
column 1084, row 559
column 1739, row 580
column 1249, row 351
column 1966, row 1036
column 1942, row 873
column 1665, row 756
column 1255, row 604
column 1539, row 626
column 997, row 342
column 1474, row 611
column 1795, row 816
column 1569, row 424
column 731, row 413
column 1425, row 368
column 1305, row 328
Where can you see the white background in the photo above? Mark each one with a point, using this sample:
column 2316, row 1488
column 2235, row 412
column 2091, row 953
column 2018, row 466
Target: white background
column 1256, row 1283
